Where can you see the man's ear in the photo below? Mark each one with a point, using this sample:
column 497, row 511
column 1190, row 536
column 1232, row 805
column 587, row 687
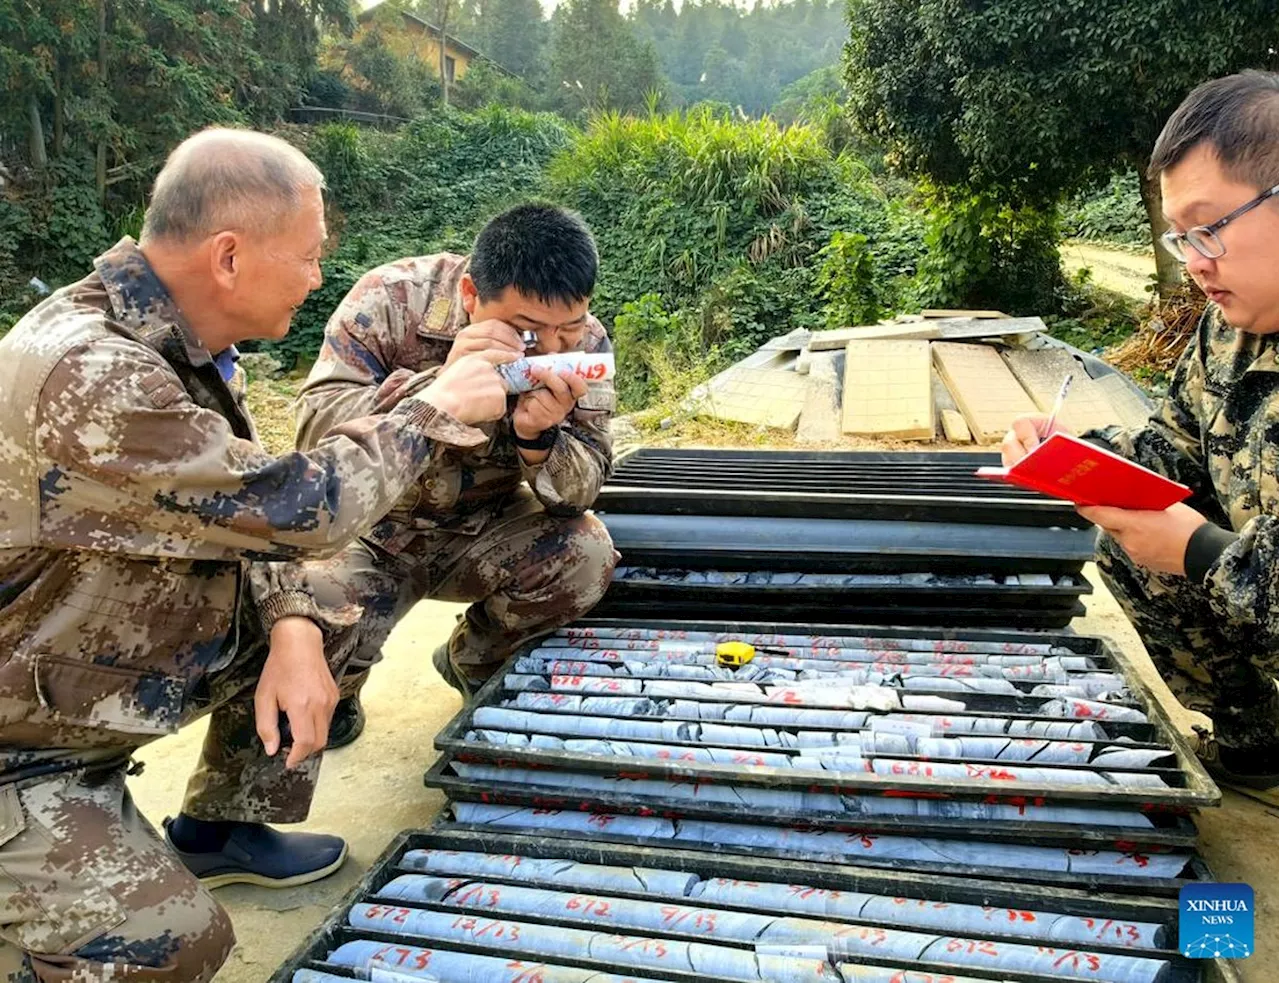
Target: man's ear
column 470, row 295
column 224, row 259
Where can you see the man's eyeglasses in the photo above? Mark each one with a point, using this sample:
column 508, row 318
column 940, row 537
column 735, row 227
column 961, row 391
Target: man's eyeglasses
column 1204, row 238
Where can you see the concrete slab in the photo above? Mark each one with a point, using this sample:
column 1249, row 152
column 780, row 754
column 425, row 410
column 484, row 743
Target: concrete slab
column 762, row 397
column 828, row 340
column 962, row 328
column 954, row 428
column 942, row 398
column 1041, row 373
column 820, row 418
column 1129, row 407
column 983, row 387
column 887, row 389
column 792, row 341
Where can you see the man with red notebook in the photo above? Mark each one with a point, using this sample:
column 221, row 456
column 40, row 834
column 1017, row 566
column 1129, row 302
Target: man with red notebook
column 1198, row 579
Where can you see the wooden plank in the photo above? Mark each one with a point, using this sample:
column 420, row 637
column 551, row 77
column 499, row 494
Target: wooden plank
column 983, row 387
column 820, row 417
column 954, row 428
column 887, row 390
column 940, row 312
column 1130, row 409
column 1041, row 373
column 763, row 397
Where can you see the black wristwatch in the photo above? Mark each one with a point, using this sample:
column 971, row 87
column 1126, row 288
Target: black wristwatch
column 543, row 442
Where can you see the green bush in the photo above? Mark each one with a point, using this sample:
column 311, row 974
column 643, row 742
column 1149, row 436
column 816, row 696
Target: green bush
column 983, row 253
column 338, row 149
column 1112, row 213
column 849, row 281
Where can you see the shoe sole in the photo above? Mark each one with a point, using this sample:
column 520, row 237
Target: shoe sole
column 348, row 739
column 258, row 880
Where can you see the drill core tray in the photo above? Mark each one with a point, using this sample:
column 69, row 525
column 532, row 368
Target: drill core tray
column 895, row 715
column 461, row 904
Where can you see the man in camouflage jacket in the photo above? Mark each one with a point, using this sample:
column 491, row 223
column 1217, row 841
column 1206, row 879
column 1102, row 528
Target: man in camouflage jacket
column 503, row 525
column 146, row 575
column 1198, row 580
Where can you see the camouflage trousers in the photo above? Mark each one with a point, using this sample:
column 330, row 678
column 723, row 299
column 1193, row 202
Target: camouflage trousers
column 526, row 573
column 1216, row 667
column 88, row 889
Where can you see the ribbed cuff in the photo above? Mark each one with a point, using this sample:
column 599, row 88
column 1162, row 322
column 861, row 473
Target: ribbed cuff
column 439, row 425
column 1203, row 549
column 286, row 604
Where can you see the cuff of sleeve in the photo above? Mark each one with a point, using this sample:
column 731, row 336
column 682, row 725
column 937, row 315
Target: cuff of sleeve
column 439, row 425
column 1203, row 549
column 286, row 604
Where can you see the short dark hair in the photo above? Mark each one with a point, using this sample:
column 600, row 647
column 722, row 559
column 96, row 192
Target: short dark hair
column 542, row 250
column 1237, row 117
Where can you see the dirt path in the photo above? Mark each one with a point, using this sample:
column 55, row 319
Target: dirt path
column 1124, row 272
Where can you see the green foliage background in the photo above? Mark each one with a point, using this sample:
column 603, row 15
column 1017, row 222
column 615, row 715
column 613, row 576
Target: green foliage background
column 714, row 234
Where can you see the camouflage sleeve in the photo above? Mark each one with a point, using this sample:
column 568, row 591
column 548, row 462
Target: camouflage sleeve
column 130, row 451
column 1241, row 582
column 352, row 377
column 569, row 478
column 1170, row 441
column 281, row 589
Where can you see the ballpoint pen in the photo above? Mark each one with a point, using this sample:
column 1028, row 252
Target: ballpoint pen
column 1057, row 407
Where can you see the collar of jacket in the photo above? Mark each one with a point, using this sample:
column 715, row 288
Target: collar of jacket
column 142, row 304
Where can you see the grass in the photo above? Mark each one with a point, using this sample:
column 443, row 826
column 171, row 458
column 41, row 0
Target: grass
column 271, row 403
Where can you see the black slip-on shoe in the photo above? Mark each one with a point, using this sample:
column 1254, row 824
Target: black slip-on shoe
column 254, row 853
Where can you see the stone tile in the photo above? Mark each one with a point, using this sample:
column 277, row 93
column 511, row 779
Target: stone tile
column 1130, row 409
column 1041, row 373
column 887, row 389
column 983, row 387
column 954, row 428
column 763, row 397
column 820, row 418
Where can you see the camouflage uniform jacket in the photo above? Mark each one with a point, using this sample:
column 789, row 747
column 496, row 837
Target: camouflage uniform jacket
column 138, row 515
column 1216, row 432
column 392, row 332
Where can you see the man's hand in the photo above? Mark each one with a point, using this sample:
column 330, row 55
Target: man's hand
column 543, row 409
column 470, row 390
column 1025, row 437
column 296, row 681
column 1155, row 540
column 485, row 336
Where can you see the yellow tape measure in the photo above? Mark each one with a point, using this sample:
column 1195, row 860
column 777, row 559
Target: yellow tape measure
column 734, row 654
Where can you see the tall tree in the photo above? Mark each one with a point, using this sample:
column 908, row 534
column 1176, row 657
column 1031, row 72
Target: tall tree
column 516, row 37
column 596, row 60
column 1030, row 100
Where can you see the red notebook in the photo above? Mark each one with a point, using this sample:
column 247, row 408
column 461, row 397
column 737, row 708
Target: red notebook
column 1067, row 467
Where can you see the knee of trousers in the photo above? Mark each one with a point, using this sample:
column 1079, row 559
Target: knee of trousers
column 210, row 947
column 206, row 948
column 592, row 559
column 190, row 940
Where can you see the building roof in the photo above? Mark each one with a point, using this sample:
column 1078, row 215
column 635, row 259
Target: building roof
column 451, row 39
